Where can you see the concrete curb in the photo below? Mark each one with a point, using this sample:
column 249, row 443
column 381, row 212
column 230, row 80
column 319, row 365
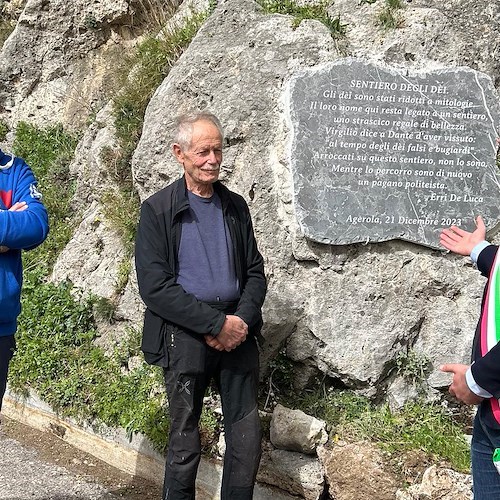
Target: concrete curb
column 135, row 456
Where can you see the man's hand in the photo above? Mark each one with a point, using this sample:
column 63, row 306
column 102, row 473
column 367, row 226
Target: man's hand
column 214, row 343
column 459, row 387
column 19, row 206
column 462, row 242
column 234, row 331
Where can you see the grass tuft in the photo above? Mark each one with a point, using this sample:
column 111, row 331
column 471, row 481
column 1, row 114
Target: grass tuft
column 389, row 17
column 317, row 11
column 417, row 426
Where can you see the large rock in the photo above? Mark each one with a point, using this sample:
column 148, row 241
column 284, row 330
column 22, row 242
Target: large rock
column 348, row 310
column 293, row 430
column 445, row 484
column 356, row 471
column 295, row 473
column 58, row 64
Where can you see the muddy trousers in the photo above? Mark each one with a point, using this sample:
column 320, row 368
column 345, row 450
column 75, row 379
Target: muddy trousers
column 192, row 366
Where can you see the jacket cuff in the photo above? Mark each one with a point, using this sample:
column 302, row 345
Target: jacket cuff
column 474, row 386
column 218, row 325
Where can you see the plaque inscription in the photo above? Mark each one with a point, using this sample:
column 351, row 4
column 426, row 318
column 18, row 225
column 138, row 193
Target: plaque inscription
column 377, row 154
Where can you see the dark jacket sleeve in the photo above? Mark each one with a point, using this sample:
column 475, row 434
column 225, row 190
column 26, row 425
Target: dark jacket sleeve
column 486, row 258
column 157, row 286
column 486, row 369
column 255, row 285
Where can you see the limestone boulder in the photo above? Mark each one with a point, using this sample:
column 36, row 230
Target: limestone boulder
column 356, row 470
column 445, row 484
column 295, row 473
column 293, row 430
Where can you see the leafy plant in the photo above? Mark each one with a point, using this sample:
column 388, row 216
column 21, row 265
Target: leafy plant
column 57, row 358
column 90, row 22
column 49, row 152
column 413, row 366
column 300, row 12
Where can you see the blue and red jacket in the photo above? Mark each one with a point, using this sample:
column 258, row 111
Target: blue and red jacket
column 19, row 230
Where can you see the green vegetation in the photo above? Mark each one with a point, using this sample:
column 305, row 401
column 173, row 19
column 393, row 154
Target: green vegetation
column 56, row 357
column 389, row 17
column 6, row 25
column 417, row 426
column 413, row 367
column 151, row 63
column 299, row 12
column 49, row 152
column 422, row 426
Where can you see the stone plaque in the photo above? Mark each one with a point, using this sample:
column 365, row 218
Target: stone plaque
column 378, row 153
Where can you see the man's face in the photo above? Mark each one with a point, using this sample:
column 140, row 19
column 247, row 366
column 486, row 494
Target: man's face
column 202, row 159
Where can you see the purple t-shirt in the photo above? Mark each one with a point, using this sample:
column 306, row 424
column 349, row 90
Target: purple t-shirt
column 206, row 261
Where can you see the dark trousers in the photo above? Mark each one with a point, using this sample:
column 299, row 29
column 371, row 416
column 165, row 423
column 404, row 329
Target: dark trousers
column 485, row 477
column 7, row 348
column 192, row 366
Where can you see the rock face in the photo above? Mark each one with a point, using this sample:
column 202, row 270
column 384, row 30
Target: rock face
column 59, row 62
column 363, row 305
column 347, row 311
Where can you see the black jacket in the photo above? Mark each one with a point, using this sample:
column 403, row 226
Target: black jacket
column 156, row 259
column 486, row 369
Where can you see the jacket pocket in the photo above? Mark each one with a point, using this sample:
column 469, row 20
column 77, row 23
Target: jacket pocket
column 154, row 340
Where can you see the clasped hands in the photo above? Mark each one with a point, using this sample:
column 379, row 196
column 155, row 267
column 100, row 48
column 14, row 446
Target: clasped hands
column 234, row 331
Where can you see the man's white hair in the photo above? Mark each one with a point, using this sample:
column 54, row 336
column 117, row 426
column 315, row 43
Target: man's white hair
column 184, row 127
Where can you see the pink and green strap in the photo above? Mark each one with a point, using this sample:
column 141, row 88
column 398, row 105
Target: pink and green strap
column 490, row 322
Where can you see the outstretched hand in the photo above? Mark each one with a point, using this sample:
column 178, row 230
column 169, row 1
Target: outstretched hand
column 460, row 241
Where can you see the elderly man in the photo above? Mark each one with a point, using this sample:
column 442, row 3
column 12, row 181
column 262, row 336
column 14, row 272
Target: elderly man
column 202, row 279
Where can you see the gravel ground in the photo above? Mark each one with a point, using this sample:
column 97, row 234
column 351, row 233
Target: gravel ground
column 40, row 466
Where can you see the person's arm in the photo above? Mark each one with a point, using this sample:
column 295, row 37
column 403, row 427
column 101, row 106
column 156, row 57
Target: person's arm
column 255, row 286
column 474, row 386
column 486, row 372
column 158, row 287
column 28, row 227
column 464, row 386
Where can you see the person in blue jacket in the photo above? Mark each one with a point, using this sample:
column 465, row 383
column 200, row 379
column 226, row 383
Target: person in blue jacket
column 23, row 226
